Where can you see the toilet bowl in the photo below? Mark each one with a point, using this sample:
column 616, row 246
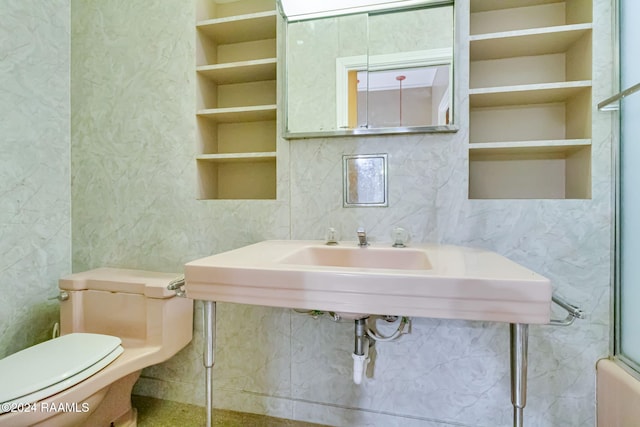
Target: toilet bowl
column 113, row 323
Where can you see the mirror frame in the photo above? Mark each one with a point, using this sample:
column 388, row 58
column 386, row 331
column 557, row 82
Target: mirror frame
column 353, row 7
column 451, row 128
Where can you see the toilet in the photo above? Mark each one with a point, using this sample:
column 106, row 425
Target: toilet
column 113, row 323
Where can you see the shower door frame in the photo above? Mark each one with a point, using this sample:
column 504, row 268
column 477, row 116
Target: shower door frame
column 630, row 366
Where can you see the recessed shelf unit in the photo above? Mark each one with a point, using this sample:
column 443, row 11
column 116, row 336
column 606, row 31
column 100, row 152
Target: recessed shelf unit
column 530, row 99
column 236, row 99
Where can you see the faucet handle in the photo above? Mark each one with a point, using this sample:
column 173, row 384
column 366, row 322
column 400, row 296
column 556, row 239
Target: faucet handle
column 400, row 237
column 332, row 236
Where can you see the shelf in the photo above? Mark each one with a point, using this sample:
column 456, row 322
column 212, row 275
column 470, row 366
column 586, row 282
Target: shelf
column 240, row 114
column 533, row 122
column 238, row 157
column 529, row 42
column 214, row 9
column 526, row 94
column 237, row 178
column 240, row 72
column 522, row 15
column 489, row 5
column 241, row 28
column 526, row 149
column 531, row 173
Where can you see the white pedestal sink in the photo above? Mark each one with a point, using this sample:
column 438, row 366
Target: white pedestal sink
column 424, row 280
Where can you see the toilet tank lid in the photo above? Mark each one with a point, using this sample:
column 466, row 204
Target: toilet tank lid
column 152, row 284
column 51, row 362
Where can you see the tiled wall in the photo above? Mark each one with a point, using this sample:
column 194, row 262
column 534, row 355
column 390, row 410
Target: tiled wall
column 35, row 197
column 134, row 187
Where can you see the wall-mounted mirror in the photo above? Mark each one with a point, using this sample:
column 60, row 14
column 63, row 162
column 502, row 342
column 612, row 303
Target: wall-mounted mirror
column 371, row 73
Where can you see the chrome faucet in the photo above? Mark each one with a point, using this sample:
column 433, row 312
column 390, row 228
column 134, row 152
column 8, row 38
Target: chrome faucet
column 362, row 238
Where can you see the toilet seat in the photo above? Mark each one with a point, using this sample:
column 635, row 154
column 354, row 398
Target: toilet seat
column 55, row 365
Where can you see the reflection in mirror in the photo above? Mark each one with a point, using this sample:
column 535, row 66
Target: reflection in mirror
column 401, row 97
column 417, row 59
column 382, row 72
column 312, row 50
column 365, row 180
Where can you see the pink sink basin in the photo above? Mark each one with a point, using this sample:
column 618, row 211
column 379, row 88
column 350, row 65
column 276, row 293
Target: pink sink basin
column 424, row 280
column 369, row 257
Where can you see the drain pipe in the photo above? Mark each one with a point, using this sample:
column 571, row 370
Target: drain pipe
column 361, row 351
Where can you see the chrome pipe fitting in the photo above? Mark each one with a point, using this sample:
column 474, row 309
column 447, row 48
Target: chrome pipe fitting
column 360, row 337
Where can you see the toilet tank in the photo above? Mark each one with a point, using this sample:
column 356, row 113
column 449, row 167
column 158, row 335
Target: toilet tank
column 134, row 305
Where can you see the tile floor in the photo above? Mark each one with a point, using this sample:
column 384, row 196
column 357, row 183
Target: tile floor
column 165, row 413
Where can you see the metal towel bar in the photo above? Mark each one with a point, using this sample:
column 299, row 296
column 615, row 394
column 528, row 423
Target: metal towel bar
column 611, row 104
column 176, row 285
column 573, row 312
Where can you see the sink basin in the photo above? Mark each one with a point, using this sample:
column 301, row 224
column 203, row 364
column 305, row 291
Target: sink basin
column 357, row 257
column 424, row 280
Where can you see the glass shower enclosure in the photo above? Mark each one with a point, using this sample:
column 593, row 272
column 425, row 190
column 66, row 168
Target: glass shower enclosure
column 626, row 345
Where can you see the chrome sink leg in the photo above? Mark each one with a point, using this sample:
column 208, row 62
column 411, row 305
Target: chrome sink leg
column 519, row 336
column 209, row 326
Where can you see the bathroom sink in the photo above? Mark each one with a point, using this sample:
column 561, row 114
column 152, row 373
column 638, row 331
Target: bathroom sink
column 424, row 280
column 357, row 257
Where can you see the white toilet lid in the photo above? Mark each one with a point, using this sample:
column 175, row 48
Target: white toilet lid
column 52, row 366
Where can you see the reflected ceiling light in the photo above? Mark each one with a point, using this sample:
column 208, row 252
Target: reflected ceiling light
column 299, row 10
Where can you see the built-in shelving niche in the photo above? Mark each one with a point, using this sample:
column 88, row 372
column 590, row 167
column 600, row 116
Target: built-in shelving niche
column 236, row 104
column 530, row 99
